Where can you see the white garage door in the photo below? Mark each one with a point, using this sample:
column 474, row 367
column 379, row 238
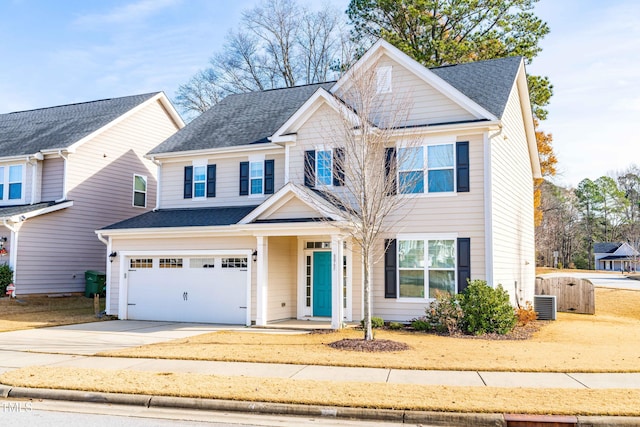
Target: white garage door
column 188, row 289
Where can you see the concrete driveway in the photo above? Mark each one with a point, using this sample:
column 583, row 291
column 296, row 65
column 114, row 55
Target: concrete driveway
column 602, row 280
column 91, row 338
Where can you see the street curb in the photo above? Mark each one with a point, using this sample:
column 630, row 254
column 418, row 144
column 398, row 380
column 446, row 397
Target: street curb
column 400, row 416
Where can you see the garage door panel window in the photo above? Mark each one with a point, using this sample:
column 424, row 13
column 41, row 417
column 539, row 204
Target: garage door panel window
column 170, row 263
column 234, row 262
column 201, row 262
column 141, row 263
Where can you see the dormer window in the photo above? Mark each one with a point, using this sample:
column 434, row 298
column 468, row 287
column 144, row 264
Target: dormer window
column 383, row 79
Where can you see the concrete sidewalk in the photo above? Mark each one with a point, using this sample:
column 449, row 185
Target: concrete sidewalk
column 10, row 360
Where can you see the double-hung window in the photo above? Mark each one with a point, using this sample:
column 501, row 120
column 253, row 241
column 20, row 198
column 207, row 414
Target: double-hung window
column 426, row 267
column 257, row 177
column 324, row 168
column 140, row 191
column 428, row 169
column 440, row 165
column 199, row 181
column 11, row 178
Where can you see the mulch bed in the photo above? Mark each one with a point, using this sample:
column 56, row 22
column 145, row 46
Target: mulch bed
column 354, row 344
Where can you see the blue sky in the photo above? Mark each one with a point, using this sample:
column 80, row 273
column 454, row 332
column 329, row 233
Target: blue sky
column 66, row 51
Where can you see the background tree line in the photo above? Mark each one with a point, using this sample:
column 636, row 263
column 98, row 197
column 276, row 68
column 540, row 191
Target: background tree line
column 604, row 210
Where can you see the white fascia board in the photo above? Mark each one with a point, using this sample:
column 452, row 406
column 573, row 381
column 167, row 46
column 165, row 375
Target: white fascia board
column 382, row 46
column 158, row 97
column 38, row 212
column 527, row 114
column 20, row 158
column 310, row 106
column 161, row 232
column 459, row 128
column 179, row 156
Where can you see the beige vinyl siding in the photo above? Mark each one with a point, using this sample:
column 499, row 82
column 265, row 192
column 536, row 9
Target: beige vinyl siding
column 56, row 249
column 316, row 133
column 512, row 205
column 460, row 214
column 356, row 283
column 227, row 182
column 282, row 278
column 180, row 243
column 424, row 104
column 294, row 208
column 52, row 179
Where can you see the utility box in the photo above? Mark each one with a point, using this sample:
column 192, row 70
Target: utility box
column 94, row 283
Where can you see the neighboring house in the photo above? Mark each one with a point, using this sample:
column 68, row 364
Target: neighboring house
column 67, row 170
column 616, row 256
column 241, row 234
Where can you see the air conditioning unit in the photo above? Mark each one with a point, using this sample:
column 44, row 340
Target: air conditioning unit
column 545, row 306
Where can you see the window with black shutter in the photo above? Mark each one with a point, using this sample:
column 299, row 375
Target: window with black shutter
column 462, row 167
column 188, row 182
column 244, row 178
column 310, row 168
column 390, row 269
column 211, row 180
column 269, row 174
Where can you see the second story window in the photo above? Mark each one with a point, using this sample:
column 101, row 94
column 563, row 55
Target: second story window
column 324, row 170
column 11, row 178
column 199, row 181
column 411, row 170
column 428, row 169
column 440, row 168
column 140, row 191
column 257, row 176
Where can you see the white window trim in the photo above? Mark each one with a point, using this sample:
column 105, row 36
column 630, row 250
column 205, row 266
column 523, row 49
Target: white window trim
column 442, row 140
column 425, row 238
column 5, row 181
column 199, row 163
column 330, row 151
column 256, row 159
column 146, row 191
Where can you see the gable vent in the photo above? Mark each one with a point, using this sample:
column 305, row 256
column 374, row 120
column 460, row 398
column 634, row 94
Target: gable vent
column 545, row 306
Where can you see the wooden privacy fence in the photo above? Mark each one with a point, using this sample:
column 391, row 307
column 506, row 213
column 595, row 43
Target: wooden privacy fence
column 573, row 295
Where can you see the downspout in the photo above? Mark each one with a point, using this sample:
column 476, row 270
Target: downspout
column 13, row 255
column 107, row 271
column 158, row 182
column 64, row 177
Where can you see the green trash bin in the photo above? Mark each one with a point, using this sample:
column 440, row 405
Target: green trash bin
column 95, row 283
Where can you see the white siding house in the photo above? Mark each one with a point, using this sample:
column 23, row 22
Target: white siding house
column 243, row 222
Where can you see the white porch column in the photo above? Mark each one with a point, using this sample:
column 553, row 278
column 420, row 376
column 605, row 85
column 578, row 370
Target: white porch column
column 337, row 280
column 262, row 280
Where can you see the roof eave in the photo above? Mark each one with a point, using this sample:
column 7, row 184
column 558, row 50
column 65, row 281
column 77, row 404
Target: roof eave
column 527, row 114
column 214, row 151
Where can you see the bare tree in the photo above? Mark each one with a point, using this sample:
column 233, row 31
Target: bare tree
column 279, row 43
column 367, row 131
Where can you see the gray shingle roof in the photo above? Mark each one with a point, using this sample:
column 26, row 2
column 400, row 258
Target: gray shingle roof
column 9, row 211
column 27, row 132
column 488, row 83
column 240, row 119
column 605, row 247
column 250, row 118
column 200, row 217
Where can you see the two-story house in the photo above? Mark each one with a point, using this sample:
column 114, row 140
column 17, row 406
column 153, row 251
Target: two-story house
column 66, row 171
column 242, row 233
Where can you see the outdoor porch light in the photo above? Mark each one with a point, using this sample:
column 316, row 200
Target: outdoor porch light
column 112, row 255
column 254, row 255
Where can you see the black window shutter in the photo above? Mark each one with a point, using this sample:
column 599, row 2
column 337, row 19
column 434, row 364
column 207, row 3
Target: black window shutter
column 211, row 180
column 462, row 167
column 390, row 269
column 390, row 170
column 338, row 167
column 188, row 182
column 310, row 168
column 244, row 178
column 268, row 176
column 464, row 263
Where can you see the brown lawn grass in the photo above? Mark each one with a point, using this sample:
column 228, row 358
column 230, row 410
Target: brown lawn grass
column 41, row 311
column 545, row 270
column 352, row 394
column 608, row 341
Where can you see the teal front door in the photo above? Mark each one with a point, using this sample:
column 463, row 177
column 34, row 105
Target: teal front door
column 322, row 284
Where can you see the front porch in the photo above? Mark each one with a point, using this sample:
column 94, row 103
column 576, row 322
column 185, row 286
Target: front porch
column 304, row 281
